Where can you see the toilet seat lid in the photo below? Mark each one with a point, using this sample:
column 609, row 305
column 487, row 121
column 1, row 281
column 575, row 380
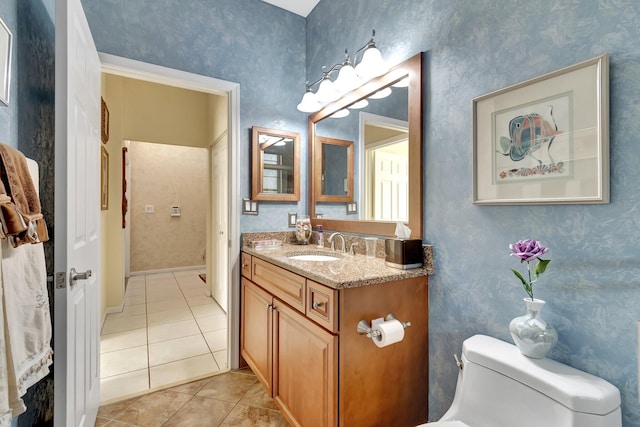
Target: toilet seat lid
column 575, row 389
column 444, row 424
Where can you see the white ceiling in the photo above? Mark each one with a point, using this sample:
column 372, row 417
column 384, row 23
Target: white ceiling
column 299, row 7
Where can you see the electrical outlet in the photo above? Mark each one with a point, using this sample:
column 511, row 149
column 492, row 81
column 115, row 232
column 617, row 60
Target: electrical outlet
column 148, row 208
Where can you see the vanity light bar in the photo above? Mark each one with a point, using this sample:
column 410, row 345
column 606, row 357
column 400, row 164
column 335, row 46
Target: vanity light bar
column 349, row 78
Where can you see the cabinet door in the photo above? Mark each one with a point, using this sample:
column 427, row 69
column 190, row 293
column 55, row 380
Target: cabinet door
column 304, row 370
column 256, row 332
column 245, row 265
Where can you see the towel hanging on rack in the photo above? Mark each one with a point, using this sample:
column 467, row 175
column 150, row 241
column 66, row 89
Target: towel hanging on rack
column 25, row 340
column 5, row 410
column 20, row 210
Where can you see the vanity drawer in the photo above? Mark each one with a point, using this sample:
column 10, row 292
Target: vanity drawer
column 287, row 286
column 245, row 265
column 322, row 305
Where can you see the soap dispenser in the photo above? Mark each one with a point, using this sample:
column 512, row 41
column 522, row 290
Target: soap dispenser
column 320, row 237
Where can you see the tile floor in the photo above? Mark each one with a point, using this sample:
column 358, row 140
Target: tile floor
column 230, row 399
column 169, row 332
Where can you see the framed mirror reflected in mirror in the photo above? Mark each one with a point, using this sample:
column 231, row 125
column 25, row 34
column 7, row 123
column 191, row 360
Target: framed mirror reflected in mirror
column 334, row 183
column 388, row 138
column 275, row 165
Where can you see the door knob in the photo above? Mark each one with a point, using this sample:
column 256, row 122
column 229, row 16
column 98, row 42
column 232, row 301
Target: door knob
column 75, row 276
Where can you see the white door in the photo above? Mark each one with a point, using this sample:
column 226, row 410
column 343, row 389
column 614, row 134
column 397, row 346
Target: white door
column 77, row 219
column 391, row 182
column 220, row 198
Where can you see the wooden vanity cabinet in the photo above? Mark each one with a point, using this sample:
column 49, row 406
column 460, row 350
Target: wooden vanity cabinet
column 316, row 366
column 256, row 332
column 305, row 366
column 292, row 357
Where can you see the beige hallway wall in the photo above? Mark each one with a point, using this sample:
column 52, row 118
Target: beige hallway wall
column 163, row 176
column 155, row 113
column 112, row 235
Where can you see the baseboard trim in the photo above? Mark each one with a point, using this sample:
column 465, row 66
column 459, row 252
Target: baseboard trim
column 168, row 270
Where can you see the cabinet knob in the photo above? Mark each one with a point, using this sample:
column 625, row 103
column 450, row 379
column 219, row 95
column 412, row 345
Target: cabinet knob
column 317, row 304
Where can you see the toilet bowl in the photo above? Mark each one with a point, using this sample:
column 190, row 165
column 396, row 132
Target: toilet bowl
column 499, row 387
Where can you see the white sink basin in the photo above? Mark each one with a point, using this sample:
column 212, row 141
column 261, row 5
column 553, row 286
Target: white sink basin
column 314, row 257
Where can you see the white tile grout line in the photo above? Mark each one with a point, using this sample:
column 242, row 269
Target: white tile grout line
column 194, row 319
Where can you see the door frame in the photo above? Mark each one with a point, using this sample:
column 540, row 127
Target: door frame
column 131, row 68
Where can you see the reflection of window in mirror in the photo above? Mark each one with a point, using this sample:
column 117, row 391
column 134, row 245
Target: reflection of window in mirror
column 275, row 165
column 277, row 174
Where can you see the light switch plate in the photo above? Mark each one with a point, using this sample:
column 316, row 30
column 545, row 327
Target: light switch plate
column 293, row 217
column 249, row 207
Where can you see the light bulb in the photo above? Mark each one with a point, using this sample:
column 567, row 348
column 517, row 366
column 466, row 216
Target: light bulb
column 402, row 83
column 372, row 64
column 309, row 103
column 383, row 93
column 360, row 104
column 340, row 114
column 347, row 79
column 327, row 92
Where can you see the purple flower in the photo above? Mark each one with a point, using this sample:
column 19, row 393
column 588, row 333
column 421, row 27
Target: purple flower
column 527, row 250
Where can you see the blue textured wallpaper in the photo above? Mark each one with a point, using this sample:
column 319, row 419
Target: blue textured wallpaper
column 250, row 42
column 592, row 285
column 28, row 124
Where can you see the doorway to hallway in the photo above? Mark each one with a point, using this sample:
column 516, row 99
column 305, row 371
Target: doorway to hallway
column 149, row 73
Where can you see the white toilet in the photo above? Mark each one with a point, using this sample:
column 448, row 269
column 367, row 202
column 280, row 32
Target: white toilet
column 499, row 387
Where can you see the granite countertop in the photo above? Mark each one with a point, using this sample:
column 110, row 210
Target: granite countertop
column 349, row 271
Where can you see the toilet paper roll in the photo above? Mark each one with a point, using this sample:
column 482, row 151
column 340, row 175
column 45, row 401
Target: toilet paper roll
column 390, row 332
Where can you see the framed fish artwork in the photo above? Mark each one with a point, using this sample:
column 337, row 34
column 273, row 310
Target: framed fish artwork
column 545, row 140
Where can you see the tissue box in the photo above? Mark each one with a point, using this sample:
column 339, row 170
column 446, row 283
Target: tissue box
column 403, row 253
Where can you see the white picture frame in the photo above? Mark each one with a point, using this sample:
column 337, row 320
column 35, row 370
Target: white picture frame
column 6, row 40
column 545, row 140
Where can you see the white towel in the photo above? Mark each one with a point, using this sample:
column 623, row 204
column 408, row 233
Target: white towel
column 27, row 322
column 5, row 410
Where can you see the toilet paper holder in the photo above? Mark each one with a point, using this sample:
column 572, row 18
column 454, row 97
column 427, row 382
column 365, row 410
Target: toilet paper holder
column 365, row 329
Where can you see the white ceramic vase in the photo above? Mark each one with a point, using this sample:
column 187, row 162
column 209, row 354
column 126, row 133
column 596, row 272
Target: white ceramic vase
column 531, row 334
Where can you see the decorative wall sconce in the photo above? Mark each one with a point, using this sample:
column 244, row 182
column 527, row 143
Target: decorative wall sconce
column 249, row 207
column 349, row 77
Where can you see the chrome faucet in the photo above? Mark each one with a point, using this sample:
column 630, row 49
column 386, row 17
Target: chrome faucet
column 337, row 234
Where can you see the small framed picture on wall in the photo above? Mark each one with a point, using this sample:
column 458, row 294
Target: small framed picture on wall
column 5, row 62
column 104, row 179
column 104, row 121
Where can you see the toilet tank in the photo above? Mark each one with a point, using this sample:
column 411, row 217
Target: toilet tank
column 500, row 387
